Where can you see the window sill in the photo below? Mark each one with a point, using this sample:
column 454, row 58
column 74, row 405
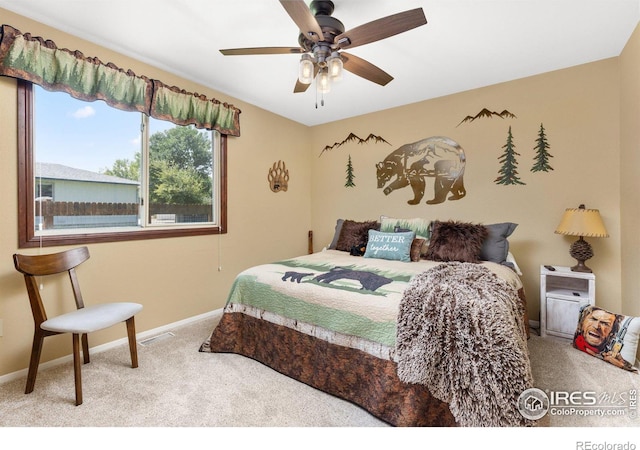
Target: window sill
column 91, row 237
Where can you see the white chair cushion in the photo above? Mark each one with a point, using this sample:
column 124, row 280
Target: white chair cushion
column 92, row 318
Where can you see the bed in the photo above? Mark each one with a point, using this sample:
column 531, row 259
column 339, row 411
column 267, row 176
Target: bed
column 335, row 321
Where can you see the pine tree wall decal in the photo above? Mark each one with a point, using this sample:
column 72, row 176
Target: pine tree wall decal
column 541, row 160
column 508, row 172
column 350, row 174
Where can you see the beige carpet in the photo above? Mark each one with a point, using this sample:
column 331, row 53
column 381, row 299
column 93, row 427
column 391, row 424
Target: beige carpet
column 176, row 386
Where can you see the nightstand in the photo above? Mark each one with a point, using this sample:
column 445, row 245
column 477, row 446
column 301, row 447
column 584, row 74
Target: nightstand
column 562, row 294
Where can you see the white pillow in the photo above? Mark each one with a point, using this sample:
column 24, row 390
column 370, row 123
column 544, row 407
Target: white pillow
column 511, row 259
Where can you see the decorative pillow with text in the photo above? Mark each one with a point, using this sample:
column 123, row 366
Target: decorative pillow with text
column 421, row 227
column 394, row 246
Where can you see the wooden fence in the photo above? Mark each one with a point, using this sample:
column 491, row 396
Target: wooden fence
column 49, row 209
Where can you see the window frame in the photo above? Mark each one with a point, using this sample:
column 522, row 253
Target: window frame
column 27, row 237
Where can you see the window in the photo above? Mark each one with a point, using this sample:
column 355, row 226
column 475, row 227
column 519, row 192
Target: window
column 92, row 173
column 43, row 189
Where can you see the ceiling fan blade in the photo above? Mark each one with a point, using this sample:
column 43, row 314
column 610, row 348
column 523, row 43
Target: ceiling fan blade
column 365, row 69
column 300, row 87
column 304, row 18
column 381, row 28
column 262, row 51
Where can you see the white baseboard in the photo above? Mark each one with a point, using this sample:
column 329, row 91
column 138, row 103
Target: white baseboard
column 109, row 345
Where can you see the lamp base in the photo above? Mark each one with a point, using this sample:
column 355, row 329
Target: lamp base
column 581, row 251
column 580, row 267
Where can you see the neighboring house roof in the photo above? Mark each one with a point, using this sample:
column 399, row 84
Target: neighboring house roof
column 60, row 172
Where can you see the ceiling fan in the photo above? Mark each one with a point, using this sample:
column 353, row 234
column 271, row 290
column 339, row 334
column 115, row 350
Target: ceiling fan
column 323, row 37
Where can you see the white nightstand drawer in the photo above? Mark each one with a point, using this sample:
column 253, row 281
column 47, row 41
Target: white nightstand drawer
column 562, row 315
column 562, row 294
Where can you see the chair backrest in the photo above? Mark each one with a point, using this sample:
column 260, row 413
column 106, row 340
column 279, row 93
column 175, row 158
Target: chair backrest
column 33, row 266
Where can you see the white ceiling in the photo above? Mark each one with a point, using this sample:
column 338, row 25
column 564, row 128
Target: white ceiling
column 466, row 44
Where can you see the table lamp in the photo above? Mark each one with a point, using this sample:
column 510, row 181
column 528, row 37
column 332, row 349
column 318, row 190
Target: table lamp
column 581, row 222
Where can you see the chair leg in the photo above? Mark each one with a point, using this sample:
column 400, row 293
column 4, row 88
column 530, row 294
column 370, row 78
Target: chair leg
column 36, row 350
column 85, row 348
column 133, row 349
column 77, row 367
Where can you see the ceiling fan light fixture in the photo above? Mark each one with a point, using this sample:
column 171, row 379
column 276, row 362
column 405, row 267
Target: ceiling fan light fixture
column 334, row 65
column 323, row 81
column 322, row 38
column 305, row 71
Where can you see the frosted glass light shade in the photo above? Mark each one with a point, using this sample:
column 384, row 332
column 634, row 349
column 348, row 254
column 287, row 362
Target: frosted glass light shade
column 323, row 82
column 305, row 72
column 334, row 64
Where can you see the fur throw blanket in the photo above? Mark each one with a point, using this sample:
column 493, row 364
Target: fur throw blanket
column 460, row 333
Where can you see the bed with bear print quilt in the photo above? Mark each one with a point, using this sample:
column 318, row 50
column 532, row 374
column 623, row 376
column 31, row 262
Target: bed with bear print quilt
column 330, row 320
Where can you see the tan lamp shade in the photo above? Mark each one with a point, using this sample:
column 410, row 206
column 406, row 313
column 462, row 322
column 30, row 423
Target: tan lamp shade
column 582, row 222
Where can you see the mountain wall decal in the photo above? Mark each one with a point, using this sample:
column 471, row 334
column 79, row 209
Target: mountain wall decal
column 485, row 113
column 352, row 137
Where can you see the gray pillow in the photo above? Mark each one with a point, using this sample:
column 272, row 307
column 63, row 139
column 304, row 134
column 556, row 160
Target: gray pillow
column 336, row 234
column 496, row 246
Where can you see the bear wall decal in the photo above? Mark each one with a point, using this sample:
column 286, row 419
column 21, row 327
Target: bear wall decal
column 435, row 157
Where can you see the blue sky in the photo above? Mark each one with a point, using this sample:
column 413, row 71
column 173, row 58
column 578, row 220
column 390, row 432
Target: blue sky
column 85, row 135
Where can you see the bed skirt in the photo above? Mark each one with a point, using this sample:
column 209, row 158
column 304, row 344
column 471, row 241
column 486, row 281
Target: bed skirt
column 350, row 374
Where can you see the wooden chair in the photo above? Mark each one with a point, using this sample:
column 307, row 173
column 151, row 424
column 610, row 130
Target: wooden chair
column 79, row 322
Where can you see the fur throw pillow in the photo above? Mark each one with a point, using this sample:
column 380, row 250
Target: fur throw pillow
column 416, row 249
column 355, row 234
column 456, row 241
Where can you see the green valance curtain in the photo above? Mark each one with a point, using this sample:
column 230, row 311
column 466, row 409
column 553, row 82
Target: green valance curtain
column 40, row 61
column 185, row 108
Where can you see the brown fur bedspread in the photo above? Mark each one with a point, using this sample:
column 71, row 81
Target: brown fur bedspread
column 347, row 373
column 461, row 334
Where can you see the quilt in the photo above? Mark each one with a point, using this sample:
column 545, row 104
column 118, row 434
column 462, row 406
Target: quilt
column 345, row 300
column 330, row 320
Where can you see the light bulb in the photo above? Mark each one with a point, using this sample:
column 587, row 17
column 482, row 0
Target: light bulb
column 305, row 73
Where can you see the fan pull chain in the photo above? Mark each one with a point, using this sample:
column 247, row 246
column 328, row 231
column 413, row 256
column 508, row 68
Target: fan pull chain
column 321, row 94
column 321, row 99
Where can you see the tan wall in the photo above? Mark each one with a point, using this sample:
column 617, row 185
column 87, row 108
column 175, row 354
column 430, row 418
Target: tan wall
column 630, row 181
column 579, row 108
column 173, row 278
column 588, row 125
